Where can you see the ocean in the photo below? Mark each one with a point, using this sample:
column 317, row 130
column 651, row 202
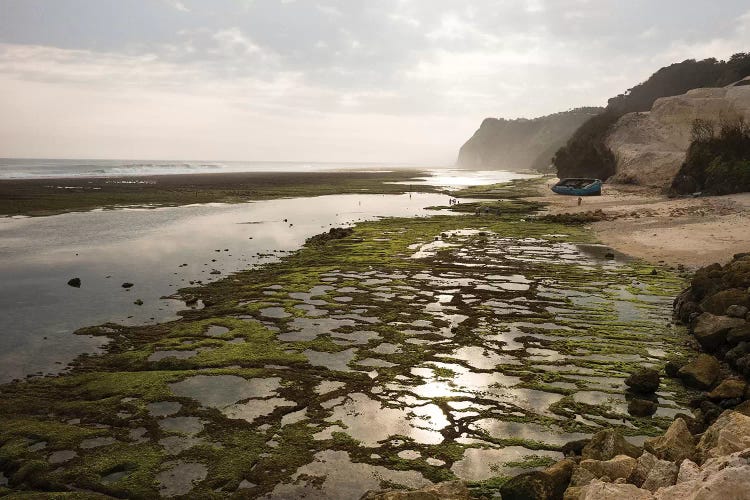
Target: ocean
column 45, row 168
column 443, row 176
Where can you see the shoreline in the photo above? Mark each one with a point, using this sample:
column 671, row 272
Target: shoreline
column 643, row 223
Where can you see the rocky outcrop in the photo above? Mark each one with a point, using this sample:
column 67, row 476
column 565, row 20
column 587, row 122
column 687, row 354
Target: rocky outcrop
column 723, row 451
column 650, row 147
column 721, row 469
column 713, row 308
column 522, row 144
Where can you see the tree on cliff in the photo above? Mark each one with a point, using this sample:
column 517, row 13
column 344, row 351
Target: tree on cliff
column 717, row 161
column 586, row 155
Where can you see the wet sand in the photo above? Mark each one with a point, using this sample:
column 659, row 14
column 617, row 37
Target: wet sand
column 644, row 223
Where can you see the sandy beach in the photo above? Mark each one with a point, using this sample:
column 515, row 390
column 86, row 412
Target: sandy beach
column 644, row 223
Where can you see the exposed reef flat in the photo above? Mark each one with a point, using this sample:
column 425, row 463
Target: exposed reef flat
column 50, row 196
column 411, row 351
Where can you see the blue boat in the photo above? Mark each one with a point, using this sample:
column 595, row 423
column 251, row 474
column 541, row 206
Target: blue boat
column 578, row 187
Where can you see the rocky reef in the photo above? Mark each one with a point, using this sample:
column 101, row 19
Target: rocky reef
column 407, row 352
column 678, row 464
column 705, row 455
column 522, row 144
column 650, row 147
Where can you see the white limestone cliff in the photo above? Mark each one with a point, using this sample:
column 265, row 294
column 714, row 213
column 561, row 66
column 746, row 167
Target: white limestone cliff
column 650, row 147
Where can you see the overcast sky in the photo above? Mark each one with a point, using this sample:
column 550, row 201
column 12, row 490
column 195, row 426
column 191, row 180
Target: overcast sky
column 324, row 80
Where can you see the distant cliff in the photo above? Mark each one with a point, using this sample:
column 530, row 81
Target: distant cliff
column 649, row 148
column 521, row 144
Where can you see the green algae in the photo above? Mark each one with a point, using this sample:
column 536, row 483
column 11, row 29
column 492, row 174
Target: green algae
column 572, row 334
column 531, row 462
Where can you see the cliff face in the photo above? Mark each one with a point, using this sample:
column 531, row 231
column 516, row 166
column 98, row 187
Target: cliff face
column 650, row 147
column 521, row 144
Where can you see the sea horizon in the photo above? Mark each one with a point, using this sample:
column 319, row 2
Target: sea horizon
column 41, row 168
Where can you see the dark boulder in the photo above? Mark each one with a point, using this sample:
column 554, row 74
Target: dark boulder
column 737, row 273
column 572, row 448
column 687, row 311
column 719, row 302
column 75, row 282
column 127, row 285
column 685, row 184
column 643, row 381
column 673, row 366
column 727, row 404
column 642, row 407
column 711, row 330
column 710, row 412
column 701, row 373
column 739, row 334
column 535, row 485
column 560, row 474
column 737, row 311
column 735, row 353
column 743, row 365
column 707, row 281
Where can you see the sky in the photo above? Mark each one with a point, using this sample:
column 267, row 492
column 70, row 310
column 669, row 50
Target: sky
column 324, row 80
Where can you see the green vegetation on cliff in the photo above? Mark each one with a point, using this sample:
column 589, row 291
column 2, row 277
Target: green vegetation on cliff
column 718, row 161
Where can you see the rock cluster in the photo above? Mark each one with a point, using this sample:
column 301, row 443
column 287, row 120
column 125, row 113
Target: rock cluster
column 716, row 309
column 714, row 465
column 335, row 233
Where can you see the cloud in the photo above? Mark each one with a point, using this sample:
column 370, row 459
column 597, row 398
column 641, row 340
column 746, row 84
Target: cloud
column 383, row 78
column 178, row 5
